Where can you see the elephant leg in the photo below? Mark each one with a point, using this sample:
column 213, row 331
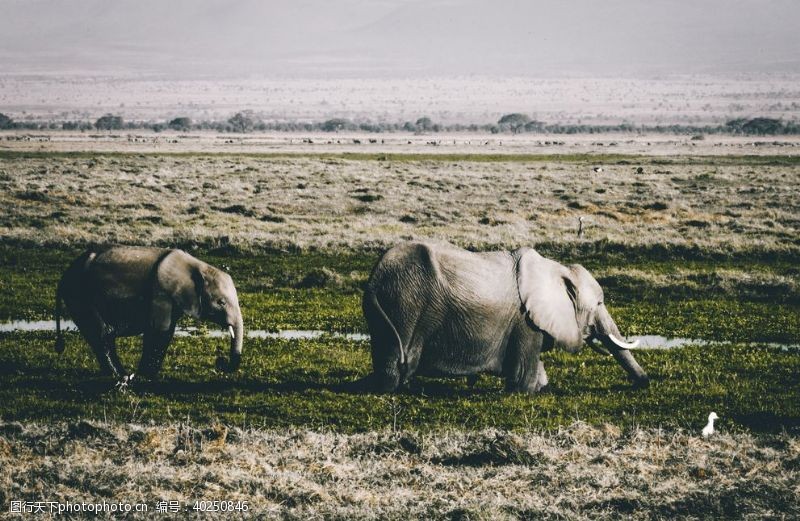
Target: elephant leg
column 111, row 349
column 154, row 349
column 413, row 354
column 390, row 372
column 389, row 362
column 386, row 369
column 102, row 342
column 472, row 380
column 534, row 379
column 524, row 370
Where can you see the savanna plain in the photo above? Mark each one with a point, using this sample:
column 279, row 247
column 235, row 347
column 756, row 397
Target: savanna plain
column 689, row 244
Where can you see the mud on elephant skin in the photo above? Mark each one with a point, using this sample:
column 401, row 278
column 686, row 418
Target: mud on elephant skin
column 437, row 310
column 120, row 291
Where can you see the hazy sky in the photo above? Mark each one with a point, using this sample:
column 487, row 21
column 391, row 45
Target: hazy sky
column 399, row 37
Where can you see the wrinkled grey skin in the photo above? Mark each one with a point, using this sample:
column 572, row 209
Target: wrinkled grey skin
column 434, row 309
column 126, row 291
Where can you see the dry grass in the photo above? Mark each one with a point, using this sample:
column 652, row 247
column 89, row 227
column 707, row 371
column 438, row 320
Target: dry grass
column 577, row 472
column 304, row 202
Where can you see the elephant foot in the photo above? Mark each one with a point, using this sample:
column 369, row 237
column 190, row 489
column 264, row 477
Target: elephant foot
column 123, row 383
column 534, row 388
column 372, row 384
column 407, row 386
column 387, row 382
column 541, row 384
column 538, row 387
column 541, row 377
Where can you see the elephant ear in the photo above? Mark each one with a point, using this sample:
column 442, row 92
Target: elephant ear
column 179, row 280
column 547, row 293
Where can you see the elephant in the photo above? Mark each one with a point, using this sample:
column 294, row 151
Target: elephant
column 437, row 310
column 120, row 291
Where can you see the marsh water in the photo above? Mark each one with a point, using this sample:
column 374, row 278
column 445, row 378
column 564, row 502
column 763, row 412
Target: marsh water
column 645, row 341
column 287, row 334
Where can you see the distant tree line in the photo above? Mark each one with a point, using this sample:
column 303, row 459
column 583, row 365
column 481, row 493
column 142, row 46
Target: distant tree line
column 514, row 123
column 6, row 122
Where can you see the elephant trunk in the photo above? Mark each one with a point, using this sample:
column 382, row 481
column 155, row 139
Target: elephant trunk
column 609, row 335
column 237, row 338
column 631, row 366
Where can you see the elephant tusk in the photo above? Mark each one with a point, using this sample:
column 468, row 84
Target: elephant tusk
column 623, row 345
column 230, row 330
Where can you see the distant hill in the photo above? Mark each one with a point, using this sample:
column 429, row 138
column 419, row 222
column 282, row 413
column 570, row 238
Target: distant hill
column 399, row 37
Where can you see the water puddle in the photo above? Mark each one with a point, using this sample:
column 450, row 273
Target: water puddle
column 662, row 342
column 286, row 334
column 35, row 325
column 645, row 341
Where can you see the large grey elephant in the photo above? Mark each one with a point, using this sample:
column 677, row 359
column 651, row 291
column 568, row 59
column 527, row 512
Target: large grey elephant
column 126, row 291
column 434, row 309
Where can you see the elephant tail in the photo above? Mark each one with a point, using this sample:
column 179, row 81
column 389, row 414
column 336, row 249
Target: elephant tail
column 403, row 360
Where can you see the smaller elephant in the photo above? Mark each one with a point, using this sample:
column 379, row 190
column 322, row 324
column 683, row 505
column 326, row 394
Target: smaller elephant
column 123, row 291
column 437, row 310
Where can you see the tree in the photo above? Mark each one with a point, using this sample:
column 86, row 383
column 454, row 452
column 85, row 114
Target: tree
column 515, row 121
column 336, row 124
column 763, row 126
column 182, row 124
column 241, row 122
column 534, row 126
column 735, row 125
column 424, row 124
column 755, row 126
column 109, row 122
column 5, row 121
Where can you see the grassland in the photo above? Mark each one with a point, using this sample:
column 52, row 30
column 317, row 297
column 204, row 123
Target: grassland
column 302, row 232
column 738, row 206
column 694, row 247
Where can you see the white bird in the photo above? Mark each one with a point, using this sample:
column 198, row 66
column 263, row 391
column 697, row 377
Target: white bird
column 598, row 169
column 708, row 430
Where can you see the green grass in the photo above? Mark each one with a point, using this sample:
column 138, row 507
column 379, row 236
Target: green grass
column 303, row 309
column 274, row 296
column 297, row 383
column 711, row 319
column 285, row 383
